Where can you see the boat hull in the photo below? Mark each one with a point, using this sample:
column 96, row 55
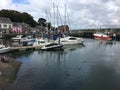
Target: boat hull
column 4, row 50
column 54, row 47
column 70, row 40
column 102, row 37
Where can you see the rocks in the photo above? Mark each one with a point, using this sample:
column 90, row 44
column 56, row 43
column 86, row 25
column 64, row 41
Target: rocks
column 4, row 59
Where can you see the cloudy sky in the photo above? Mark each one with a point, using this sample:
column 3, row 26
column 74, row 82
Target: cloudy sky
column 80, row 14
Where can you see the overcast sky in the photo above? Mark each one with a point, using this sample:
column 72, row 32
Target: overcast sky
column 80, row 14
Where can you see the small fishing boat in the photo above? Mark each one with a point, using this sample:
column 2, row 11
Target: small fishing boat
column 4, row 49
column 52, row 46
column 102, row 36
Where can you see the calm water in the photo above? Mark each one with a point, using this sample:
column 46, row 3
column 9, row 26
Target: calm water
column 90, row 67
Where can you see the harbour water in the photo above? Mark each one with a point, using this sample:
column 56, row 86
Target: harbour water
column 94, row 66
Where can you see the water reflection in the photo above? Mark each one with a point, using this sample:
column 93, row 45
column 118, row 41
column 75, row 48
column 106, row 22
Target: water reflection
column 19, row 54
column 90, row 67
column 73, row 47
column 106, row 42
column 101, row 77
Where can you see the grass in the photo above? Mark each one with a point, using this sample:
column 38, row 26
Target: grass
column 8, row 71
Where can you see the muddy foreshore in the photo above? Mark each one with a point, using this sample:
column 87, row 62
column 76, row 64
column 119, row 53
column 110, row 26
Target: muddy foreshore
column 8, row 72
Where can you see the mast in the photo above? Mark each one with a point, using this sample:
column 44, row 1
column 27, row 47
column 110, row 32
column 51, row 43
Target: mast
column 58, row 31
column 54, row 13
column 47, row 25
column 65, row 19
column 57, row 16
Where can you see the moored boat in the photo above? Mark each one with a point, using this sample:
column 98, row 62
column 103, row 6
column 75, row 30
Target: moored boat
column 69, row 40
column 52, row 46
column 27, row 39
column 4, row 49
column 17, row 38
column 101, row 36
column 39, row 42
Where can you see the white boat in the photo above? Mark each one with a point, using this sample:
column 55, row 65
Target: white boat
column 52, row 46
column 1, row 37
column 39, row 42
column 101, row 36
column 27, row 39
column 17, row 38
column 4, row 49
column 69, row 40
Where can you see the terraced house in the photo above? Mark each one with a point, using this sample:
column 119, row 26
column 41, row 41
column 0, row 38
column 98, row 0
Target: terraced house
column 5, row 25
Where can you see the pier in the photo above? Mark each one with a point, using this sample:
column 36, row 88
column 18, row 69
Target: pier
column 88, row 33
column 24, row 48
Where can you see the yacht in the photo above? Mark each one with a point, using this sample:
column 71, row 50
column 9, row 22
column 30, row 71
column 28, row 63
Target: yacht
column 69, row 40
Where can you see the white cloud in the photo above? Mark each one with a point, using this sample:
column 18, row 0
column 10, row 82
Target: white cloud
column 5, row 3
column 82, row 13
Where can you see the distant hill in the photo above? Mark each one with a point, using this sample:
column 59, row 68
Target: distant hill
column 16, row 16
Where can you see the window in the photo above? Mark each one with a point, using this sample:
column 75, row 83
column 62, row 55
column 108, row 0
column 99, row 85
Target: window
column 10, row 26
column 40, row 42
column 63, row 41
column 5, row 25
column 72, row 39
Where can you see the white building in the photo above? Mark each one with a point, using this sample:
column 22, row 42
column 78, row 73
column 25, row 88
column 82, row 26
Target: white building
column 5, row 24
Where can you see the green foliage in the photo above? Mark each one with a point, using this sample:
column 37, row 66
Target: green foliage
column 42, row 21
column 49, row 25
column 16, row 16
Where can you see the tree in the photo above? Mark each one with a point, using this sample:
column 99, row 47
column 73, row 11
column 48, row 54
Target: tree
column 16, row 16
column 27, row 18
column 42, row 22
column 49, row 26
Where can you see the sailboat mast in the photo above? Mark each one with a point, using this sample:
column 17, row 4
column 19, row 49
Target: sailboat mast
column 57, row 16
column 57, row 27
column 65, row 19
column 47, row 25
column 54, row 13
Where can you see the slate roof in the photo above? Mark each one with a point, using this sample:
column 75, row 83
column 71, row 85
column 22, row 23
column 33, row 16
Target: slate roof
column 5, row 20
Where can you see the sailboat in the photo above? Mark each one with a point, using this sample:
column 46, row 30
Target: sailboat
column 68, row 40
column 51, row 45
